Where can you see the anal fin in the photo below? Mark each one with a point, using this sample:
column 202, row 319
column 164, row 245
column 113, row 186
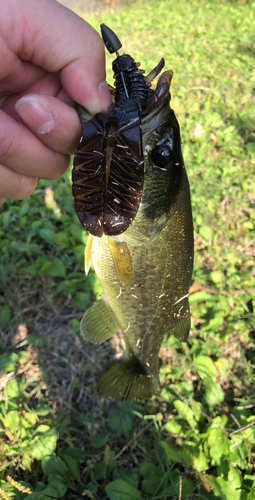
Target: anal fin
column 98, row 323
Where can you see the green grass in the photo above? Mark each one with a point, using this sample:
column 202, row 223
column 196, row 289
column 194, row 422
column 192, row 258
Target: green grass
column 197, row 440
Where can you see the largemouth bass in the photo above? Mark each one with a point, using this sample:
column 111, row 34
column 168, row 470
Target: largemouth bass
column 145, row 271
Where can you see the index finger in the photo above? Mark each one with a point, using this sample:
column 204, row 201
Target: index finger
column 54, row 38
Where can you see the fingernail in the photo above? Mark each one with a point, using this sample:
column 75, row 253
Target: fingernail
column 104, row 96
column 35, row 114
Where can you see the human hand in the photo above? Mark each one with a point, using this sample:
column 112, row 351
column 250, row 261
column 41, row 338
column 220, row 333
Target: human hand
column 49, row 57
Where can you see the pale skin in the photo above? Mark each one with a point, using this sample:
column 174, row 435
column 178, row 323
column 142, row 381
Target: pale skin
column 50, row 58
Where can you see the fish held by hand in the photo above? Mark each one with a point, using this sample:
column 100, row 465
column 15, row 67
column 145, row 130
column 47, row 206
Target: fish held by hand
column 145, row 268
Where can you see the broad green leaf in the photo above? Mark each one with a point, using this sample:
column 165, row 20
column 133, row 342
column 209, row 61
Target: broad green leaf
column 42, row 410
column 72, row 462
column 234, row 478
column 186, row 413
column 99, row 439
column 36, row 340
column 216, row 485
column 190, row 452
column 121, row 490
column 167, row 396
column 90, row 491
column 206, row 232
column 54, row 465
column 54, row 268
column 171, row 454
column 214, row 393
column 152, row 475
column 8, row 362
column 217, row 277
column 248, row 225
column 13, row 390
column 35, row 496
column 29, row 419
column 44, row 443
column 48, row 235
column 202, row 296
column 122, row 425
column 81, row 300
column 45, row 494
column 23, row 357
column 204, row 366
column 26, row 461
column 183, row 485
column 2, row 345
column 251, row 494
column 218, row 444
column 42, row 429
column 6, row 218
column 102, row 469
column 72, row 457
column 200, row 463
column 129, row 477
column 57, row 482
column 215, row 323
column 227, row 489
column 249, row 434
column 67, row 286
column 239, row 451
column 183, row 387
column 5, row 316
column 12, row 421
column 223, row 365
column 173, row 427
column 62, row 239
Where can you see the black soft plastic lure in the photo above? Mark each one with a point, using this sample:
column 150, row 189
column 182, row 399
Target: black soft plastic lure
column 108, row 169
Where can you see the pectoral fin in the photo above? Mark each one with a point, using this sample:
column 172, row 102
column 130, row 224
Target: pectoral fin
column 122, row 261
column 98, row 323
column 181, row 326
column 88, row 254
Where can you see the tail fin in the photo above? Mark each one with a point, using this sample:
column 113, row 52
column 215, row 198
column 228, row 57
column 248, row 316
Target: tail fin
column 128, row 380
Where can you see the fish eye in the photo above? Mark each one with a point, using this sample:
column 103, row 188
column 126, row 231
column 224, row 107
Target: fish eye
column 161, row 155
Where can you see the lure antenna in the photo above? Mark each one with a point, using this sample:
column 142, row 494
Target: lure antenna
column 111, row 40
